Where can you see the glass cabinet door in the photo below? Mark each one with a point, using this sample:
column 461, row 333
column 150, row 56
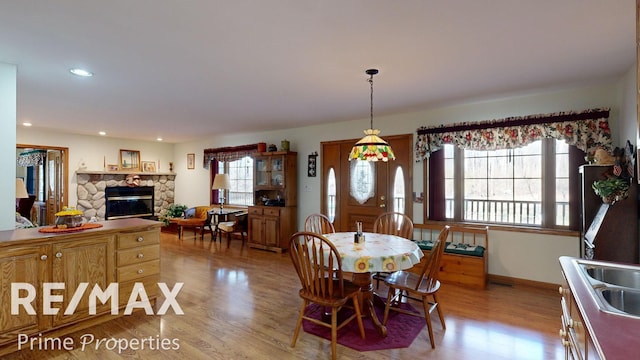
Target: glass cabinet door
column 277, row 174
column 262, row 172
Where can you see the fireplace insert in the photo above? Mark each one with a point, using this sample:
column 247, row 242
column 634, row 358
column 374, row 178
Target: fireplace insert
column 126, row 202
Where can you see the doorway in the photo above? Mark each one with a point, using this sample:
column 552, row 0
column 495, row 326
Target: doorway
column 361, row 190
column 45, row 172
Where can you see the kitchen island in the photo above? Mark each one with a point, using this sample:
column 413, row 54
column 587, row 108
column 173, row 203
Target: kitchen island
column 124, row 252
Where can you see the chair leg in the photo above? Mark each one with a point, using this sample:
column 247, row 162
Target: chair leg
column 427, row 317
column 356, row 308
column 298, row 324
column 435, row 301
column 391, row 295
column 334, row 332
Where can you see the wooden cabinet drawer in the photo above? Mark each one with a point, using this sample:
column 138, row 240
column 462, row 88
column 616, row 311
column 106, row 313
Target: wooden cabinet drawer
column 138, row 255
column 140, row 238
column 272, row 212
column 138, row 271
column 255, row 211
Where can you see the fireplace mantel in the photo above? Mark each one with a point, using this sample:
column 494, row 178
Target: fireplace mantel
column 98, row 172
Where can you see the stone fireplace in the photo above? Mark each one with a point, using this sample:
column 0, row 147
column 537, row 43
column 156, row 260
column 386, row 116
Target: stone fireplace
column 92, row 187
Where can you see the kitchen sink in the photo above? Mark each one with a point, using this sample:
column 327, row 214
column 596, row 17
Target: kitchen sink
column 624, row 300
column 615, row 276
column 615, row 287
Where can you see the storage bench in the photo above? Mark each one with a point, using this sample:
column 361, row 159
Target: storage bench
column 465, row 256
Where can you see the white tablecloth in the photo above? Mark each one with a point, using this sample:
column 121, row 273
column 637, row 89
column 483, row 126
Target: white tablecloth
column 379, row 252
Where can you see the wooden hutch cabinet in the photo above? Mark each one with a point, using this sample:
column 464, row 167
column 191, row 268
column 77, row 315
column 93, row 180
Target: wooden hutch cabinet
column 273, row 219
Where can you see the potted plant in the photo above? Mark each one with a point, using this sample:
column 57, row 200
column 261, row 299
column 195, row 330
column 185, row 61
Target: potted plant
column 611, row 189
column 173, row 211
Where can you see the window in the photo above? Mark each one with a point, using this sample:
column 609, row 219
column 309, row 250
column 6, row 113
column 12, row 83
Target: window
column 331, row 195
column 523, row 186
column 241, row 177
column 398, row 191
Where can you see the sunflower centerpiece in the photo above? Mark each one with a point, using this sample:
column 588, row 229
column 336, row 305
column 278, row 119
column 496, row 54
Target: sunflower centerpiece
column 69, row 217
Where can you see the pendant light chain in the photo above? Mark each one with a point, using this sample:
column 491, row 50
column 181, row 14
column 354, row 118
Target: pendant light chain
column 371, row 147
column 371, row 110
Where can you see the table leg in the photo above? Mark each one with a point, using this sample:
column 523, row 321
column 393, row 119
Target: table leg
column 363, row 280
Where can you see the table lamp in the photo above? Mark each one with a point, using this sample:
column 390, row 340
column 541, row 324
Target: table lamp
column 21, row 191
column 221, row 182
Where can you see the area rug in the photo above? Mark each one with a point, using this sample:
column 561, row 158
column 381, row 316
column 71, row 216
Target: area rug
column 402, row 329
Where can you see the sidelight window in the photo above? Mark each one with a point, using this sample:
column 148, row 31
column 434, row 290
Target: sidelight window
column 398, row 191
column 331, row 195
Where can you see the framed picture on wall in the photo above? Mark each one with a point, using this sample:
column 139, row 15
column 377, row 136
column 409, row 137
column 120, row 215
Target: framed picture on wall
column 191, row 161
column 129, row 160
column 149, row 166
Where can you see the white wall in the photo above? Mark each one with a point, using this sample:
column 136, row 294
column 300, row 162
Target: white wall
column 7, row 145
column 628, row 129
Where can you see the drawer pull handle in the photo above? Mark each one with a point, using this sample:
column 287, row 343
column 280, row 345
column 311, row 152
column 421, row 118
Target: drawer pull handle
column 140, row 238
column 43, row 257
column 140, row 271
column 58, row 255
column 140, row 256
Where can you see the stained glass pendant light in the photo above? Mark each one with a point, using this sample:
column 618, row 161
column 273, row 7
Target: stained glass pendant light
column 371, row 147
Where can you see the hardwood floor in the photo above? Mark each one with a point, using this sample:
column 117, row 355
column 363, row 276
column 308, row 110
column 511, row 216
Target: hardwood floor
column 242, row 303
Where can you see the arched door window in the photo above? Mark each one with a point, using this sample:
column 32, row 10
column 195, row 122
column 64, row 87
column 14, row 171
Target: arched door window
column 398, row 191
column 331, row 195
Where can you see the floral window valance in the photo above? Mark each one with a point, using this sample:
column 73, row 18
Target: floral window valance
column 229, row 153
column 31, row 158
column 587, row 130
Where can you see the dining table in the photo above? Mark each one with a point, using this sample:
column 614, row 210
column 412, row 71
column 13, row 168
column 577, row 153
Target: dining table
column 377, row 253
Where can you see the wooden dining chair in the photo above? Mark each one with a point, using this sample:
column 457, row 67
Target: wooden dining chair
column 418, row 287
column 239, row 225
column 319, row 224
column 318, row 265
column 392, row 223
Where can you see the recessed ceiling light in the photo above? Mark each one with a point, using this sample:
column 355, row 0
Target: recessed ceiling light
column 102, row 133
column 26, row 124
column 81, row 72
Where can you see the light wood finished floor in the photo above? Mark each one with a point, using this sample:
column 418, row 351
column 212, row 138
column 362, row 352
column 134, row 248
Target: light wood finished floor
column 242, row 303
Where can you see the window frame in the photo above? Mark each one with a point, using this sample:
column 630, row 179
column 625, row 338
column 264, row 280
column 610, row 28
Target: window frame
column 435, row 208
column 222, row 167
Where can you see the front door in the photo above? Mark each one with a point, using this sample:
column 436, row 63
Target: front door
column 364, row 190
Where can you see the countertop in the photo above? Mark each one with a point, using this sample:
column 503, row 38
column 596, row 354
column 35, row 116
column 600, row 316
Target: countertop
column 32, row 235
column 614, row 336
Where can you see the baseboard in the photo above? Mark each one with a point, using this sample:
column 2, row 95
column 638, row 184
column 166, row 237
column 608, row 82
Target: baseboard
column 511, row 281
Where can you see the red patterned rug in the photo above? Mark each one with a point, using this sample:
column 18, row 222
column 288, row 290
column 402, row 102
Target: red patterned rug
column 402, row 329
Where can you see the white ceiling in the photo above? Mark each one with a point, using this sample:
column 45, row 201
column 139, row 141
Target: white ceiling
column 182, row 70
